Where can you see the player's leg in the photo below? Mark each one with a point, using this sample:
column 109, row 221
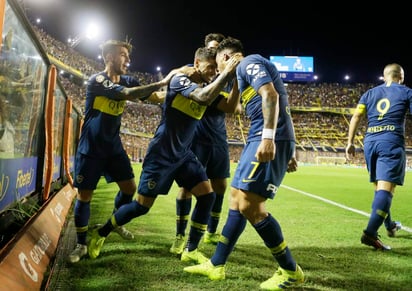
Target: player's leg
column 387, row 171
column 119, row 170
column 252, row 206
column 87, row 175
column 123, row 215
column 147, row 193
column 191, row 175
column 211, row 235
column 183, row 207
column 217, row 164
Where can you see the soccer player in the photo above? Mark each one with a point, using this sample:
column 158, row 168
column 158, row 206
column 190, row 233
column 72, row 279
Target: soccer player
column 267, row 156
column 385, row 107
column 169, row 157
column 100, row 150
column 211, row 147
column 213, row 39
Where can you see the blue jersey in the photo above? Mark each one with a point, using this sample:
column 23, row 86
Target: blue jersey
column 263, row 179
column 211, row 129
column 169, row 157
column 386, row 107
column 180, row 116
column 101, row 128
column 253, row 72
column 210, row 140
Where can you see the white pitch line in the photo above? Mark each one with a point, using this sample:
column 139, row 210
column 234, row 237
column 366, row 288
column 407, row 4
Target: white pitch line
column 404, row 227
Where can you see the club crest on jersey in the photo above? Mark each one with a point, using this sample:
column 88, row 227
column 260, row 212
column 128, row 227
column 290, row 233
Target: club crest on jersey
column 151, row 184
column 79, row 179
column 107, row 83
column 252, row 69
column 184, row 81
column 100, row 78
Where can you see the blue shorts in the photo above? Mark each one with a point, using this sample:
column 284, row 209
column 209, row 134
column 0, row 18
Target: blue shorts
column 158, row 174
column 385, row 161
column 215, row 158
column 88, row 170
column 263, row 179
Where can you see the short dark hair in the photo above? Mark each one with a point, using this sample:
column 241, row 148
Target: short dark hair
column 232, row 44
column 109, row 46
column 204, row 53
column 214, row 36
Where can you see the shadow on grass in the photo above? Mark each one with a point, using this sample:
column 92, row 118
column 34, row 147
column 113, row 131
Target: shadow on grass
column 144, row 265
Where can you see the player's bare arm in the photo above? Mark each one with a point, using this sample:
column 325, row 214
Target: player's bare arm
column 353, row 127
column 208, row 94
column 141, row 92
column 270, row 109
column 231, row 104
column 157, row 97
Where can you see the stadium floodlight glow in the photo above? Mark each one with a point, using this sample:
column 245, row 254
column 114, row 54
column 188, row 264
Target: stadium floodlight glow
column 91, row 32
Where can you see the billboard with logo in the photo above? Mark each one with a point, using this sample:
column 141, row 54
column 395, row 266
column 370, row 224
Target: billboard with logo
column 294, row 68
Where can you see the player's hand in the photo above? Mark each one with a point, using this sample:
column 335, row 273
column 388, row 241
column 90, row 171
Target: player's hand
column 292, row 165
column 266, row 151
column 232, row 63
column 186, row 70
column 350, row 151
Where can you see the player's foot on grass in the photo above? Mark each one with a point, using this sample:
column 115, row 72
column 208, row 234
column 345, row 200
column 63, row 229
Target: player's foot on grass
column 283, row 279
column 95, row 244
column 178, row 245
column 214, row 273
column 395, row 226
column 123, row 232
column 78, row 252
column 194, row 256
column 211, row 238
column 374, row 242
column 120, row 230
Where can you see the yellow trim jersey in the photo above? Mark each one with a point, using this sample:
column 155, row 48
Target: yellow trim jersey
column 100, row 135
column 180, row 117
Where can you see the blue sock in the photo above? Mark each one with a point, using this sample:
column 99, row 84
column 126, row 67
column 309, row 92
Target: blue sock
column 183, row 207
column 388, row 221
column 120, row 199
column 380, row 208
column 215, row 214
column 200, row 216
column 122, row 216
column 81, row 220
column 271, row 233
column 233, row 228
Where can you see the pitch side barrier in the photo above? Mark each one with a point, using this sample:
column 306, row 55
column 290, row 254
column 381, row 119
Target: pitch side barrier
column 38, row 138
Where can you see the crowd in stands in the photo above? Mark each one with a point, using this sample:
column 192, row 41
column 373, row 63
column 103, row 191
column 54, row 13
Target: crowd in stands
column 324, row 95
column 319, row 110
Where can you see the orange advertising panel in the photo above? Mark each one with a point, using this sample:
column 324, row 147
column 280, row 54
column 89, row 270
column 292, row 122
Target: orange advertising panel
column 24, row 265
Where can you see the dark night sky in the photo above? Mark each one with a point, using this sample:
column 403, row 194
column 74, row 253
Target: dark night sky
column 342, row 38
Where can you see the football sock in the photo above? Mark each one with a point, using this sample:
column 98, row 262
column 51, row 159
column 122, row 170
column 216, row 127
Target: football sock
column 183, row 207
column 200, row 216
column 122, row 216
column 81, row 220
column 271, row 233
column 120, row 199
column 215, row 214
column 233, row 228
column 380, row 209
column 388, row 221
